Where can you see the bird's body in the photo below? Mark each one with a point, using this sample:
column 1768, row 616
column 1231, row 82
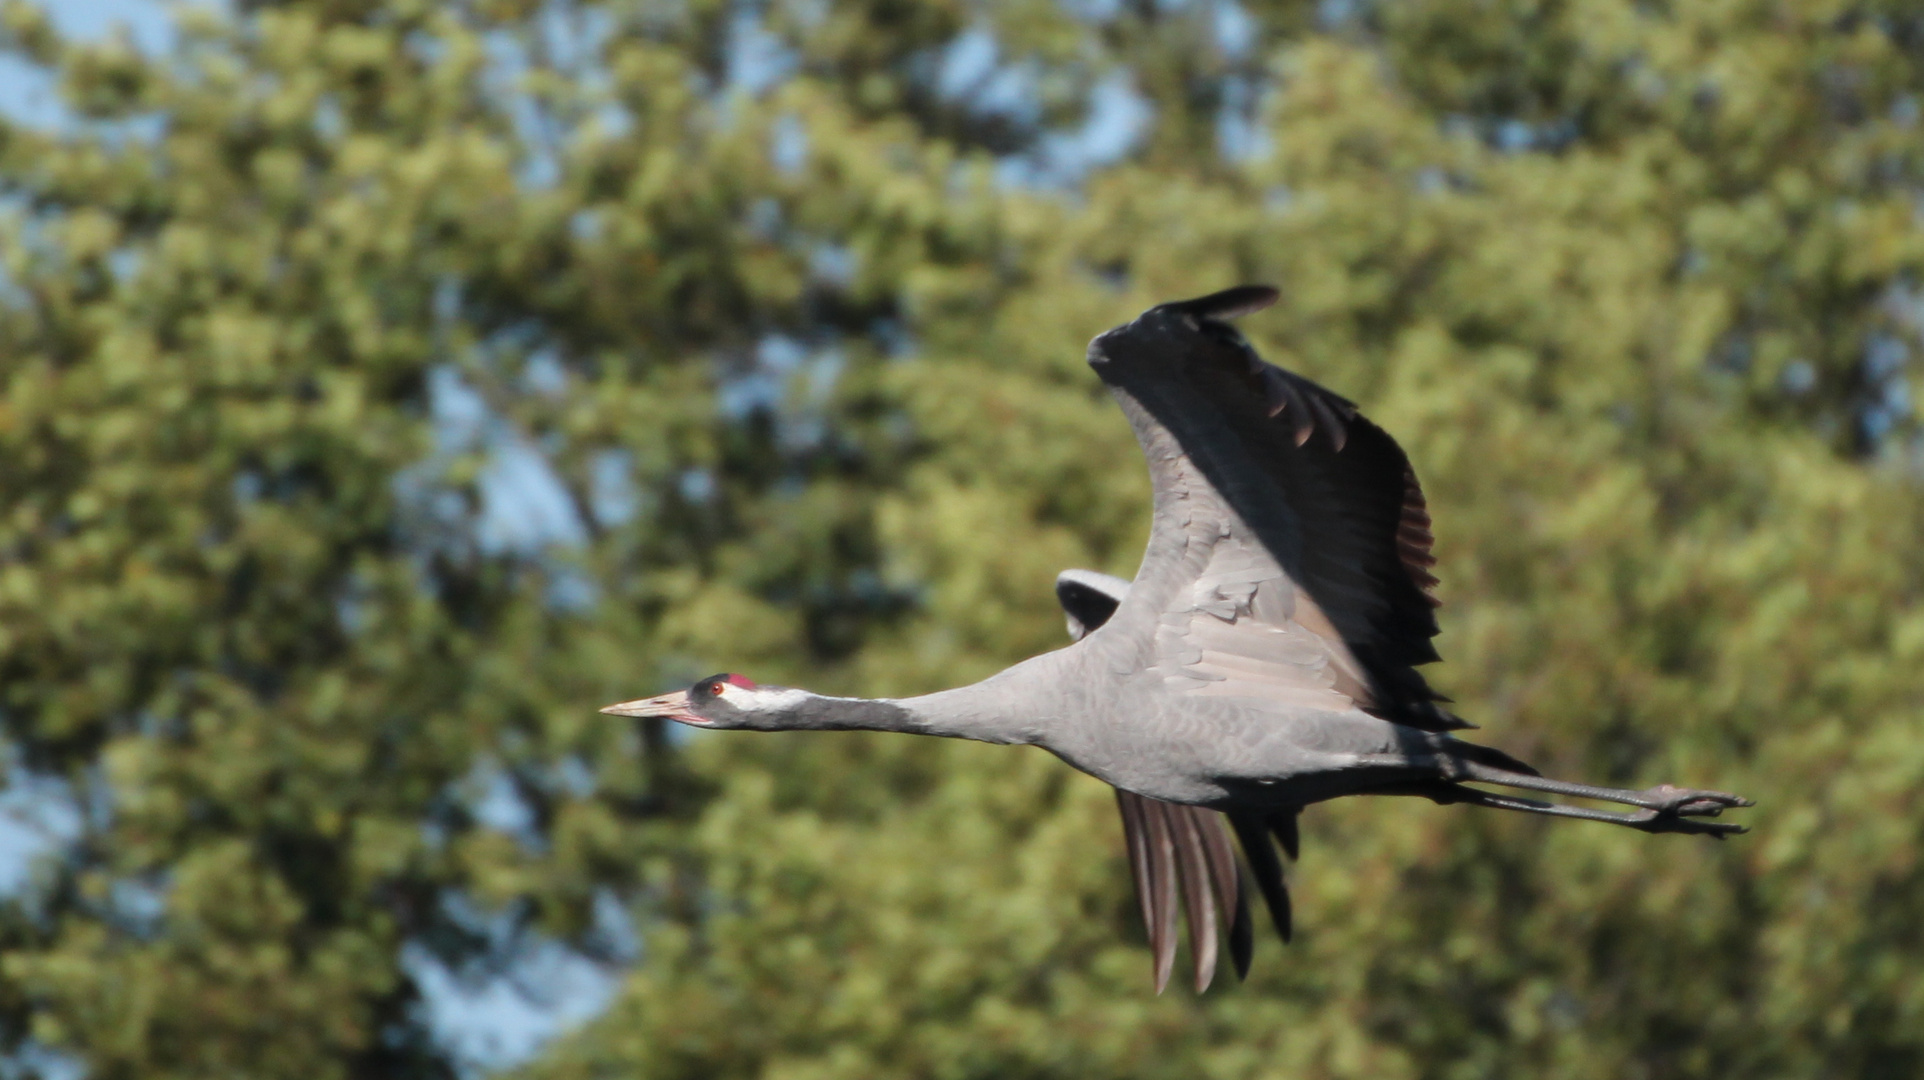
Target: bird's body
column 1265, row 656
column 1162, row 741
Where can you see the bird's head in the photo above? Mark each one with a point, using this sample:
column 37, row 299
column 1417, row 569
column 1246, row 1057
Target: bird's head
column 720, row 701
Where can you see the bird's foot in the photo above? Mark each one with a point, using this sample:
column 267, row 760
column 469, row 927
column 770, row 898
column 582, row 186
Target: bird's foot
column 1682, row 810
column 1668, row 798
column 1688, row 801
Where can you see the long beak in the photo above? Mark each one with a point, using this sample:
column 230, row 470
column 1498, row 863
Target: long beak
column 673, row 706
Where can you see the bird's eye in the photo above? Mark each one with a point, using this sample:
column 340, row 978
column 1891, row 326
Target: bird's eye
column 716, row 688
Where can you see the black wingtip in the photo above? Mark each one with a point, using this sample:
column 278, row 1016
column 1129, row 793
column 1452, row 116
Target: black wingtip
column 1283, row 824
column 1087, row 605
column 1227, row 304
column 1267, row 869
column 1242, row 932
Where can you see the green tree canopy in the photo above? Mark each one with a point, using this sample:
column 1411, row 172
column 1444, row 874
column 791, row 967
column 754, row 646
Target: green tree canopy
column 389, row 383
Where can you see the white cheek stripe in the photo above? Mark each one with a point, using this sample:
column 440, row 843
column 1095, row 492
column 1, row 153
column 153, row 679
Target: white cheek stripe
column 763, row 700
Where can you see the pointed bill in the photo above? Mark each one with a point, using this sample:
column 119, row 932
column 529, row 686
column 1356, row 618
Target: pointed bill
column 673, row 706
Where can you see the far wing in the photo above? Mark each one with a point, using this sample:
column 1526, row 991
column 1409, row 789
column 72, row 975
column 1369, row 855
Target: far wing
column 1088, row 599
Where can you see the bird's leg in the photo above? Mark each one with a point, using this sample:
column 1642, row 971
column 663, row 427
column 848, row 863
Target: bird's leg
column 1646, row 820
column 1663, row 808
column 1662, row 799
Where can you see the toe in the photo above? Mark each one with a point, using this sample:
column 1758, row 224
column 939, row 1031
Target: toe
column 1686, row 800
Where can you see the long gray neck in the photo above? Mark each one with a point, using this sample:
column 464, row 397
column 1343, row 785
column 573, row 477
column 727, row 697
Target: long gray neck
column 1008, row 707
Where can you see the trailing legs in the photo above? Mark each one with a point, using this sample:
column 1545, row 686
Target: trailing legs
column 1661, row 809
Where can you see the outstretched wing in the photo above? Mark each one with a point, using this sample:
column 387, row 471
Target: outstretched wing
column 1290, row 554
column 1180, row 855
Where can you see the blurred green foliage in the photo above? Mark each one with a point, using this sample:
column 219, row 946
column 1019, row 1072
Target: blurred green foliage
column 782, row 305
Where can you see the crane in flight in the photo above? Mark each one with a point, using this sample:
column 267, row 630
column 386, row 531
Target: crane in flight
column 1264, row 658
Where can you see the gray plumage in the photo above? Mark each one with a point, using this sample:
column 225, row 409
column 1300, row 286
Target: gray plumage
column 1264, row 658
